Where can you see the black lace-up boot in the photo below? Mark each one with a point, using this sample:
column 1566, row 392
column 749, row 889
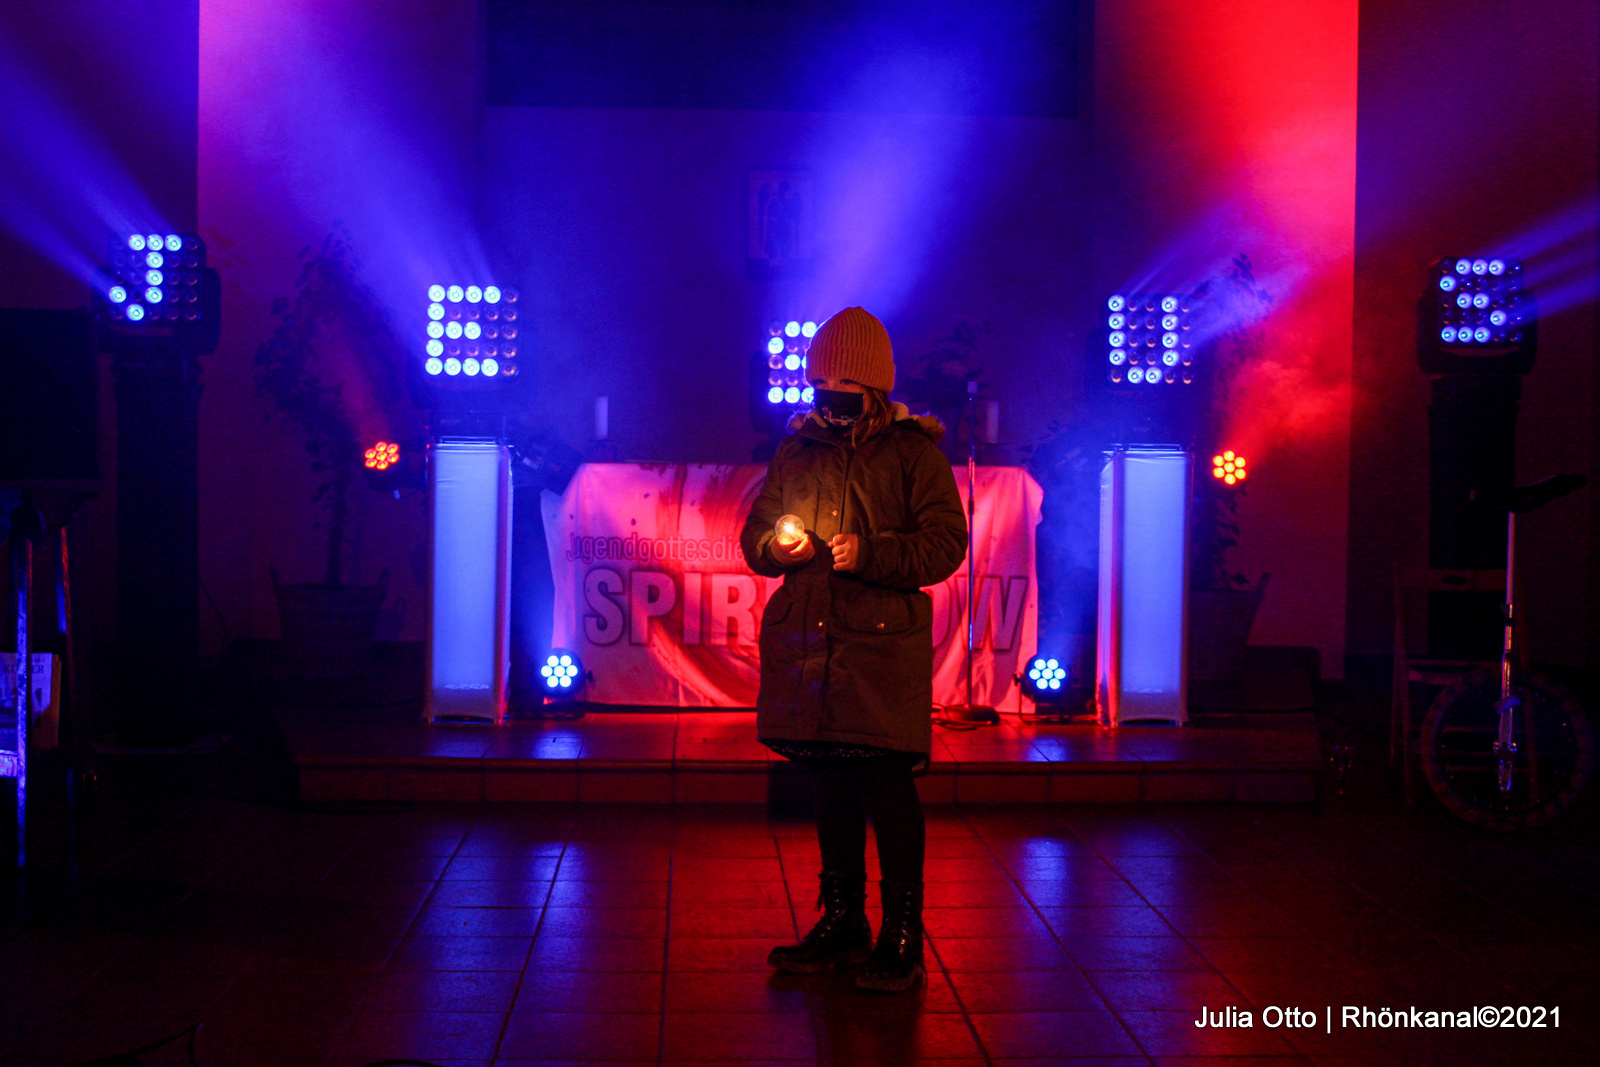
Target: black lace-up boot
column 841, row 938
column 896, row 960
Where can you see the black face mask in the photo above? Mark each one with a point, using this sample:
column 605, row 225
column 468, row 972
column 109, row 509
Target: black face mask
column 838, row 407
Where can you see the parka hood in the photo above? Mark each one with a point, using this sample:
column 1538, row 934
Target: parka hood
column 930, row 425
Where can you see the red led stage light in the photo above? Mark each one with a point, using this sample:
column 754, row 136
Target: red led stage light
column 381, row 456
column 1228, row 467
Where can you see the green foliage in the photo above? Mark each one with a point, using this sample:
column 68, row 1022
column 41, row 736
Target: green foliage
column 332, row 338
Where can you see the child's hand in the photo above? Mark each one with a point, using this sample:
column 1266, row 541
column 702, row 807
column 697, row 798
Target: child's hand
column 846, row 551
column 792, row 554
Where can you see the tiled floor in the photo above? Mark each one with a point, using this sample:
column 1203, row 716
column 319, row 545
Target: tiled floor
column 509, row 935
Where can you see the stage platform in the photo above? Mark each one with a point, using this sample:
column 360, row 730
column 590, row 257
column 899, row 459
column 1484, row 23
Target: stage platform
column 670, row 756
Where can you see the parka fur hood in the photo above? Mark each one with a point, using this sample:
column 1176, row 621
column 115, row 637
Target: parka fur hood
column 931, row 425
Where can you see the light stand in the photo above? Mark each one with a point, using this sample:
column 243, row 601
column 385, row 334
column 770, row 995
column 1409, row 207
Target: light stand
column 970, row 712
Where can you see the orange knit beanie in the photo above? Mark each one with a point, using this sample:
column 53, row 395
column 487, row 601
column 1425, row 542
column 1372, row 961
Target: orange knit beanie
column 853, row 344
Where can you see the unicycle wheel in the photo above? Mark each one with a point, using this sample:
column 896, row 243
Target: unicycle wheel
column 1553, row 763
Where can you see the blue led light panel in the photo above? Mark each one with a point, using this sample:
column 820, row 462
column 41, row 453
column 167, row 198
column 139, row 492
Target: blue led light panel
column 786, row 345
column 1481, row 303
column 154, row 279
column 1150, row 339
column 471, row 334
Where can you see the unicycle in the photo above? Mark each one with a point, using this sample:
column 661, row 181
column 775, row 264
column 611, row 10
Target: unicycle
column 1507, row 748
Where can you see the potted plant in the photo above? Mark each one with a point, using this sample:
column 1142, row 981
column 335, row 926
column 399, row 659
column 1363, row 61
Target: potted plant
column 1222, row 605
column 332, row 342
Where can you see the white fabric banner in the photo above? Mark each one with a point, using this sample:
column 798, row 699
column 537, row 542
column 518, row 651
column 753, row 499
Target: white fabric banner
column 653, row 595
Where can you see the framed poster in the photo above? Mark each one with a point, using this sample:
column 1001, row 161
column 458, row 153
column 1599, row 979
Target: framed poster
column 782, row 224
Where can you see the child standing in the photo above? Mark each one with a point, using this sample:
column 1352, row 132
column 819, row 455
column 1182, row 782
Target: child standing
column 847, row 640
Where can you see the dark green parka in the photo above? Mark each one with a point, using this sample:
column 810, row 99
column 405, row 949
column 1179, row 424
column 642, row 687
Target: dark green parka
column 848, row 656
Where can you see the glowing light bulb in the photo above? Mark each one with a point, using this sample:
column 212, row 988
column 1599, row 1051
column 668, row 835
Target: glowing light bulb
column 1447, row 283
column 789, row 530
column 491, row 294
column 434, row 365
column 775, row 395
column 470, row 367
column 136, row 242
column 435, row 293
column 792, row 329
column 808, row 395
column 135, row 312
column 808, row 329
column 1117, row 338
column 1463, row 266
column 1481, row 334
column 454, row 294
column 1170, row 357
column 452, row 366
column 117, row 294
column 1169, row 340
column 1117, row 320
column 152, row 295
column 1497, row 317
column 775, row 345
column 1118, row 357
column 1480, row 300
column 474, row 294
column 1136, row 375
column 452, row 330
column 1169, row 322
column 473, row 330
column 435, row 348
column 436, row 311
column 1448, row 335
column 1480, row 266
column 153, row 240
column 1497, row 267
column 491, row 367
column 155, row 259
column 435, row 329
column 1117, row 303
column 791, row 395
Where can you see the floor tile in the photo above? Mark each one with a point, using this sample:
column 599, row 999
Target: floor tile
column 581, row 1036
column 1017, row 1035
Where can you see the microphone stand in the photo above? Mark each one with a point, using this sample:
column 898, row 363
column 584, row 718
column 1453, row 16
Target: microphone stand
column 970, row 712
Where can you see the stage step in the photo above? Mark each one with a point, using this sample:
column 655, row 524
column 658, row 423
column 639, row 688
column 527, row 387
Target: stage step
column 711, row 757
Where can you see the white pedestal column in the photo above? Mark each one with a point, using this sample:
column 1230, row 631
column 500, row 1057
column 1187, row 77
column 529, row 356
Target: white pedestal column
column 1141, row 669
column 469, row 632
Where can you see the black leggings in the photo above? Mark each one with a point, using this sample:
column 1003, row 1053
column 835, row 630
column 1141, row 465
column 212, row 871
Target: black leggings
column 846, row 790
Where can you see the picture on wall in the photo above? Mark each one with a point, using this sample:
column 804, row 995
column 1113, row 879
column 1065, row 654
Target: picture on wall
column 782, row 222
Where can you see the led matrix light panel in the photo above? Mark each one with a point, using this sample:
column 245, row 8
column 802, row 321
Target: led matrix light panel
column 471, row 333
column 1477, row 318
column 155, row 279
column 787, row 344
column 1481, row 302
column 1150, row 340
